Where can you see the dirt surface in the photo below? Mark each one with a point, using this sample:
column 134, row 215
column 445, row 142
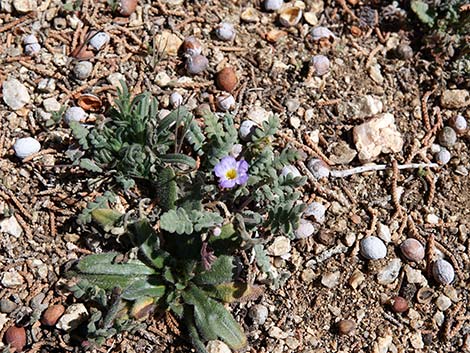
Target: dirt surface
column 328, row 279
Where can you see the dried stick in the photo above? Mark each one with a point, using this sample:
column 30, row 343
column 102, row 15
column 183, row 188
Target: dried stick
column 370, row 168
column 424, row 110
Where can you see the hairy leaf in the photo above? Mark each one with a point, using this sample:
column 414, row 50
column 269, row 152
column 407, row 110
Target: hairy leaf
column 235, row 292
column 221, row 271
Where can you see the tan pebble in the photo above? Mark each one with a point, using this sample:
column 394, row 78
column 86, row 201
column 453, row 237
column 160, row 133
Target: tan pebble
column 52, row 314
column 346, row 327
column 226, row 79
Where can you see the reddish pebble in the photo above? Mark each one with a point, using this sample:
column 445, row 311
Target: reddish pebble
column 412, row 249
column 127, row 7
column 52, row 315
column 16, row 337
column 226, row 79
column 399, row 304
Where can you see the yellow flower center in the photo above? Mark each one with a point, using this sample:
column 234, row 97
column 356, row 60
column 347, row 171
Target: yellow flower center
column 231, row 174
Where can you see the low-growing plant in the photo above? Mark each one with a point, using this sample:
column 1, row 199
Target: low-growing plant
column 180, row 254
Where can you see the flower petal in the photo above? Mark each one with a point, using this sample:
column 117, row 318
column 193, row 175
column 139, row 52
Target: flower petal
column 227, row 183
column 242, row 179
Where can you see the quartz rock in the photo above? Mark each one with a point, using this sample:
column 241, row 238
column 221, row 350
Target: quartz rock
column 390, row 272
column 74, row 315
column 443, row 303
column 15, row 94
column 455, row 98
column 26, row 146
column 372, row 248
column 378, row 135
column 11, row 279
column 305, row 229
column 258, row 313
column 330, row 279
column 217, row 347
column 280, row 246
column 11, row 226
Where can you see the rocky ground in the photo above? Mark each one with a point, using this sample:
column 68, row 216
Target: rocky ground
column 373, row 97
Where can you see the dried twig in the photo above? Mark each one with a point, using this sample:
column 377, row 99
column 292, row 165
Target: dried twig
column 370, row 168
column 424, row 110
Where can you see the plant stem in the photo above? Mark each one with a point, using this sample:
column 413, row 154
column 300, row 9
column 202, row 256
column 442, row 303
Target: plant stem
column 369, row 168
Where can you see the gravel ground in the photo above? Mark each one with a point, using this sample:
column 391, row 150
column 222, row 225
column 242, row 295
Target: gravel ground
column 379, row 100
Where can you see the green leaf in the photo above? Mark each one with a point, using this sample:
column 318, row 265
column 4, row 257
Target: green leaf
column 221, row 271
column 90, row 165
column 80, row 133
column 176, row 221
column 178, row 158
column 103, row 264
column 213, row 320
column 421, row 9
column 235, row 292
column 106, row 217
column 262, row 259
column 143, row 288
column 167, row 188
column 192, row 330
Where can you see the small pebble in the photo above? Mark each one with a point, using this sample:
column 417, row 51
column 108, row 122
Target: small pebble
column 47, row 85
column 321, row 32
column 318, row 168
column 292, row 105
column 196, row 64
column 346, row 327
column 455, row 98
column 176, row 99
column 280, row 246
column 16, row 337
column 226, row 79
column 7, row 306
column 273, row 5
column 356, row 279
column 73, row 317
column 258, row 313
column 389, row 273
column 52, row 314
column 461, row 170
column 305, row 229
column 292, row 170
column 83, row 69
column 443, row 156
column 75, row 114
column 15, row 94
column 246, row 130
column 399, row 304
column 31, row 45
column 11, row 226
column 26, row 146
column 317, row 211
column 290, row 16
column 459, row 123
column 225, row 31
column 225, row 102
column 331, row 279
column 191, row 46
column 384, row 233
column 217, row 347
column 443, row 272
column 320, row 64
column 443, row 303
column 372, row 248
column 447, row 137
column 412, row 250
column 404, row 52
column 99, row 40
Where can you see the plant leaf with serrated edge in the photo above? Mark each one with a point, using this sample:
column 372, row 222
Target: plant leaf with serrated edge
column 220, row 271
column 176, row 221
column 90, row 165
column 262, row 259
column 213, row 320
column 80, row 133
column 234, row 292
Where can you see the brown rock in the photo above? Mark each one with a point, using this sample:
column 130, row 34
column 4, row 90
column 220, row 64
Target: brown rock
column 346, row 327
column 226, row 79
column 399, row 304
column 127, row 7
column 16, row 337
column 52, row 315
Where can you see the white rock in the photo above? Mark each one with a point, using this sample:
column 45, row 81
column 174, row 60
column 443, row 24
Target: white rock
column 258, row 313
column 443, row 272
column 276, row 332
column 15, row 94
column 217, row 347
column 246, row 130
column 98, row 40
column 176, row 99
column 321, row 32
column 162, row 79
column 39, row 268
column 378, row 135
column 225, row 31
column 376, row 74
column 273, row 5
column 225, row 102
column 439, row 318
column 75, row 114
column 11, row 226
column 12, row 279
column 443, row 303
column 3, row 320
column 390, row 272
column 74, row 315
column 292, row 170
column 455, row 98
column 280, row 246
column 320, row 65
column 415, row 276
column 24, row 6
column 51, row 105
column 383, row 344
column 258, row 115
column 26, row 146
column 383, row 231
column 443, row 156
column 372, row 248
column 416, row 340
column 331, row 279
column 115, row 79
column 305, row 229
column 83, row 69
column 318, row 168
column 370, row 105
column 46, row 85
column 317, row 211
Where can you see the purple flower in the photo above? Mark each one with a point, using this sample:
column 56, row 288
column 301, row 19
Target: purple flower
column 231, row 172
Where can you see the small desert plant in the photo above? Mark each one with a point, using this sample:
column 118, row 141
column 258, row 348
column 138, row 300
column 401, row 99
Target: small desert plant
column 179, row 254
